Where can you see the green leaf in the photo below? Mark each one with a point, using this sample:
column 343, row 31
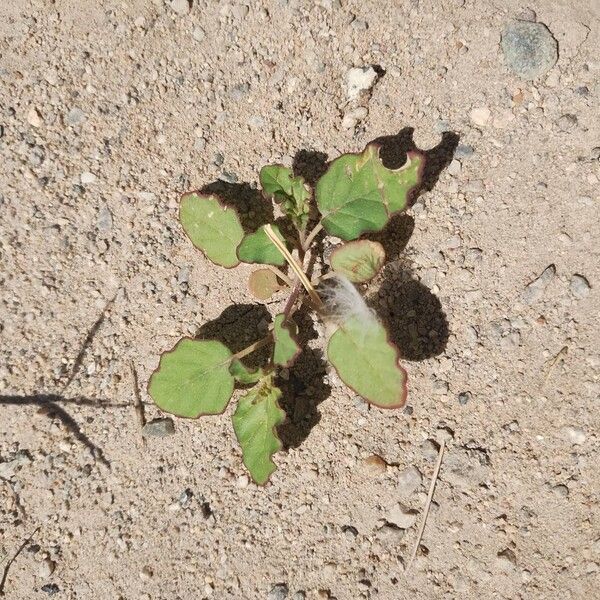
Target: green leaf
column 212, row 227
column 193, row 379
column 359, row 261
column 366, row 361
column 263, row 283
column 255, row 420
column 243, row 374
column 358, row 193
column 286, row 348
column 288, row 190
column 258, row 248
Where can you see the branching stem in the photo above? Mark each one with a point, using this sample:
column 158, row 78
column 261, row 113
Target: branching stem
column 312, row 235
column 295, row 267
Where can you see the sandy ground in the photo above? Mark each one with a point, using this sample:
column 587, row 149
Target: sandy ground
column 110, row 110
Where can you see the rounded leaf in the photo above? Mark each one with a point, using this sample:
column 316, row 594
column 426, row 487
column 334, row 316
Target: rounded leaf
column 212, row 227
column 193, row 379
column 367, row 361
column 263, row 283
column 358, row 193
column 258, row 248
column 255, row 421
column 286, row 348
column 359, row 261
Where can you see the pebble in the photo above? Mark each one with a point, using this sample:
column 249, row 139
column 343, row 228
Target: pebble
column 87, row 178
column 34, row 118
column 567, row 122
column 300, row 595
column 575, row 435
column 104, row 221
column 430, row 449
column 464, row 151
column 240, row 11
column 180, row 7
column 198, row 34
column 506, row 560
column 50, row 589
column 400, row 516
column 10, row 467
column 352, row 117
column 595, row 154
column 535, row 290
column 561, row 490
column 46, row 568
column 530, row 50
column 579, row 286
column 359, row 79
column 464, row 397
column 454, row 168
column 162, row 427
column 146, row 574
column 480, row 115
column 409, row 481
column 75, row 117
column 375, row 465
column 278, row 592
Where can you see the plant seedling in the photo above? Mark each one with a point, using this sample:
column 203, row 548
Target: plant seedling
column 356, row 195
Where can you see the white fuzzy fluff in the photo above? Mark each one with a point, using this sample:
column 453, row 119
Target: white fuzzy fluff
column 343, row 301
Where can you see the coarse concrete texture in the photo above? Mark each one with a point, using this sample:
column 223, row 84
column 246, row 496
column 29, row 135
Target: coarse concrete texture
column 109, row 110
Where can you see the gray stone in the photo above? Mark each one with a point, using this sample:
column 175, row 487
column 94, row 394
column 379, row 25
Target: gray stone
column 278, row 592
column 104, row 221
column 579, row 286
column 46, row 568
column 463, row 151
column 409, row 481
column 530, row 50
column 535, row 290
column 567, row 122
column 75, row 117
column 162, row 427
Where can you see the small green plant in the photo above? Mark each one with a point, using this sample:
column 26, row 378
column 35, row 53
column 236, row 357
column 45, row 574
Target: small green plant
column 357, row 194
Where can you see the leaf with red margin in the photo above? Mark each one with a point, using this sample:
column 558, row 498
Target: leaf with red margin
column 359, row 261
column 358, row 193
column 286, row 347
column 212, row 227
column 255, row 424
column 367, row 361
column 193, row 379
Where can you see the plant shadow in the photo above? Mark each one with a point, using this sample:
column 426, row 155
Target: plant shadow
column 252, row 208
column 303, row 388
column 50, row 402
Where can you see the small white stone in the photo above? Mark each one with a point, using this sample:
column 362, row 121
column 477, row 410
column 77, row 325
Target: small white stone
column 34, row 118
column 480, row 116
column 181, row 7
column 140, row 22
column 358, row 80
column 46, row 568
column 579, row 286
column 351, row 118
column 242, row 481
column 87, row 178
column 575, row 435
column 454, row 168
column 400, row 516
column 198, row 34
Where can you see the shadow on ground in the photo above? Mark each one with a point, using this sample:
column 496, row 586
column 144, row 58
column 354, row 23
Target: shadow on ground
column 50, row 403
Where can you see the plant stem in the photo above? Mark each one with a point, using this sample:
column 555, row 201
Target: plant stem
column 281, row 275
column 252, row 347
column 295, row 267
column 312, row 235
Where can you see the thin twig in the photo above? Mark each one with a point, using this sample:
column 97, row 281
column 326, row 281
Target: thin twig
column 281, row 275
column 12, row 560
column 295, row 267
column 312, row 235
column 552, row 362
column 137, row 399
column 436, row 472
column 251, row 348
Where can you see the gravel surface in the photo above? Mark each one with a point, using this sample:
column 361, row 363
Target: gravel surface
column 110, row 110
